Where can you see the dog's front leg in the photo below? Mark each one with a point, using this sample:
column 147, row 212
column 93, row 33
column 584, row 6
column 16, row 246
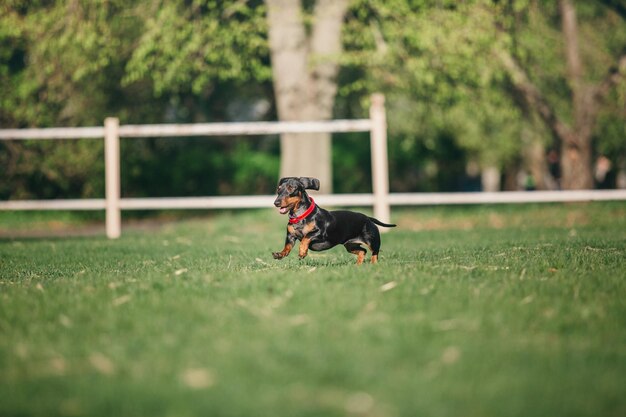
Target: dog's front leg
column 289, row 242
column 304, row 247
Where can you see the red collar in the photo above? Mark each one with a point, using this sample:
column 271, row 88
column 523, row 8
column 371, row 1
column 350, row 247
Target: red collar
column 293, row 220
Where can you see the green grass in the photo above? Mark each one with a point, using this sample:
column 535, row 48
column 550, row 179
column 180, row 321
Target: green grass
column 491, row 311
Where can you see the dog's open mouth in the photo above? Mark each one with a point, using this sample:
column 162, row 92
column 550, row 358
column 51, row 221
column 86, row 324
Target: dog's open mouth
column 283, row 210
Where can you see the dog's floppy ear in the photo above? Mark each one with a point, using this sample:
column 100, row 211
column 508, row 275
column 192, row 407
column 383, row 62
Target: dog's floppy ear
column 310, row 183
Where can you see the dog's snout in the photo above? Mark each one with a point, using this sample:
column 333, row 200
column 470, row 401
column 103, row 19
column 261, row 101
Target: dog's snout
column 277, row 202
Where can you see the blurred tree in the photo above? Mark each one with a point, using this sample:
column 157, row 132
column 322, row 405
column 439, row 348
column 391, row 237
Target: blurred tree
column 441, row 57
column 305, row 52
column 619, row 6
column 453, row 107
column 193, row 46
column 75, row 62
column 59, row 65
column 210, row 61
column 433, row 59
column 584, row 89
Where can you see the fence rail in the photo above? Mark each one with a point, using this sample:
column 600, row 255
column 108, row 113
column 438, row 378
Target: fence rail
column 96, row 132
column 264, row 201
column 196, row 129
column 380, row 199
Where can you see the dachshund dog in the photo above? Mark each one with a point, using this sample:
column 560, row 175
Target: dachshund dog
column 318, row 229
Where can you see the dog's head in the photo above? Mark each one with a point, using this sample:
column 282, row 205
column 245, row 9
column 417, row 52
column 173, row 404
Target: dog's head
column 291, row 191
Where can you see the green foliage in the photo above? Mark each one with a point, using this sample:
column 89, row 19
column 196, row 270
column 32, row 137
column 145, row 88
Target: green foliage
column 535, row 35
column 65, row 61
column 72, row 63
column 63, row 69
column 190, row 47
column 488, row 307
column 435, row 61
column 255, row 168
column 49, row 169
column 352, row 167
column 199, row 166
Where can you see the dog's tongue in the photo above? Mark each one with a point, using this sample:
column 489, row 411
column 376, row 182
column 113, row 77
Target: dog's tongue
column 283, row 210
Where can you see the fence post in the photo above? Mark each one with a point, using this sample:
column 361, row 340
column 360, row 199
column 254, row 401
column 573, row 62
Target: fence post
column 112, row 177
column 380, row 170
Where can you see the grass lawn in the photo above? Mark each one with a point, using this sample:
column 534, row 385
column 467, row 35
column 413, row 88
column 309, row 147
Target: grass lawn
column 472, row 311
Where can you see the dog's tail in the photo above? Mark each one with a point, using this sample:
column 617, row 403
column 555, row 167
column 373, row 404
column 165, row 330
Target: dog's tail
column 378, row 222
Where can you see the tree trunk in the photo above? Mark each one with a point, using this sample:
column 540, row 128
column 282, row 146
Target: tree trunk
column 576, row 164
column 535, row 160
column 304, row 67
column 490, row 179
column 576, row 149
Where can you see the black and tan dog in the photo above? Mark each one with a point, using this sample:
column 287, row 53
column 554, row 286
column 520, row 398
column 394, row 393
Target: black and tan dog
column 319, row 229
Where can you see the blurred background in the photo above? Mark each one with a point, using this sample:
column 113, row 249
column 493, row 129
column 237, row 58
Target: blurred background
column 480, row 94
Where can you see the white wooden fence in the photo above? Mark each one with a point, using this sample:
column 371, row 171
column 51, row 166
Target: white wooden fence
column 380, row 199
column 112, row 132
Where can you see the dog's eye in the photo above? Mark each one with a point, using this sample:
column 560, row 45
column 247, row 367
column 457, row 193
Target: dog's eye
column 290, row 189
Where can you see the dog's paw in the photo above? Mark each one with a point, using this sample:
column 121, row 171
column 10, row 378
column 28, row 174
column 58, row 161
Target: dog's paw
column 302, row 256
column 278, row 255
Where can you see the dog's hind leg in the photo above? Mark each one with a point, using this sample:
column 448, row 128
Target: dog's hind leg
column 371, row 238
column 356, row 249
